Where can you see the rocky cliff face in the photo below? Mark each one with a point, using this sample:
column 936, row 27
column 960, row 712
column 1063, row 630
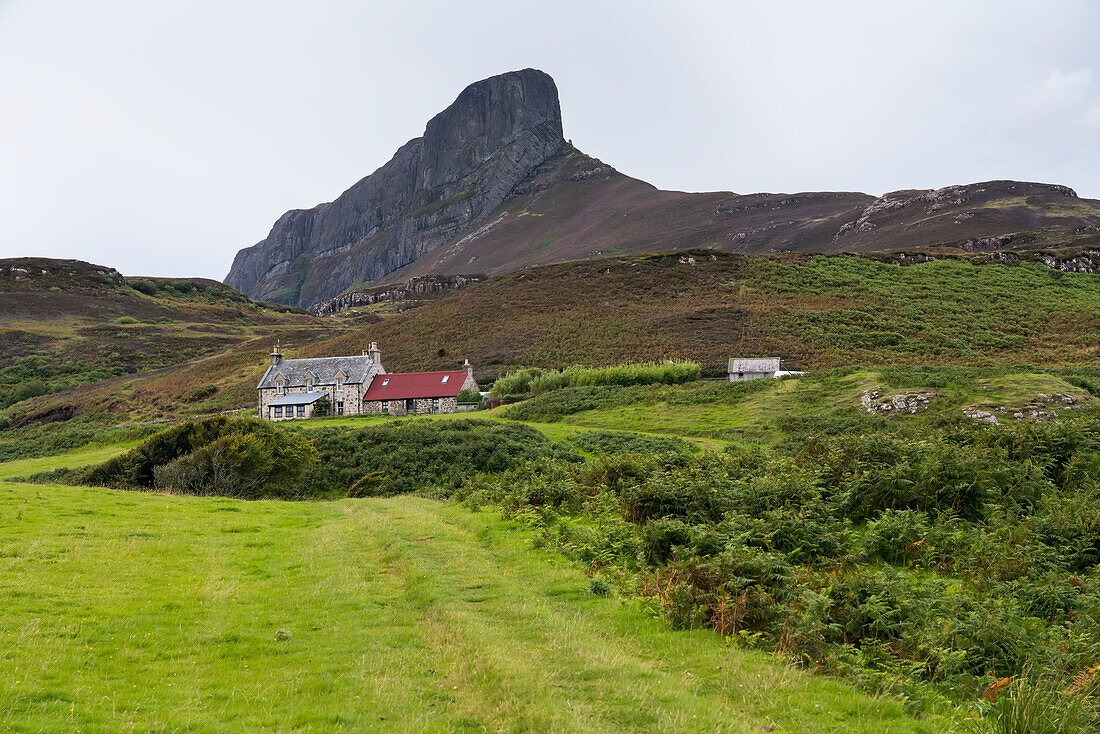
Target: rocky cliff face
column 412, row 291
column 466, row 164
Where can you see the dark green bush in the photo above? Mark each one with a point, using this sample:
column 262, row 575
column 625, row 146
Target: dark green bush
column 233, row 457
column 424, row 455
column 251, row 465
column 623, row 442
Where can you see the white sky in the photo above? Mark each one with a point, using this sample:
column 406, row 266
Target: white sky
column 161, row 137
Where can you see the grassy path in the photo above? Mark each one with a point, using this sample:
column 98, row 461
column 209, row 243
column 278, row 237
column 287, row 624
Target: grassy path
column 143, row 612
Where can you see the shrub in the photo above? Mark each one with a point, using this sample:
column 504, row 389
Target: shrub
column 242, row 465
column 469, row 396
column 230, row 457
column 599, row 587
column 143, row 286
column 536, row 381
column 622, row 442
column 425, row 455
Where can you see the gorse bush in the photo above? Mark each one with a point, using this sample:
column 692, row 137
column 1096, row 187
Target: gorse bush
column 624, row 442
column 425, row 455
column 230, row 457
column 537, row 381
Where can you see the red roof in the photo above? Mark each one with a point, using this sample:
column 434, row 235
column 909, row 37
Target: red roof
column 405, row 385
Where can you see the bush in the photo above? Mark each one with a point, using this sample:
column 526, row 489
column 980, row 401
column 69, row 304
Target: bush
column 538, row 381
column 242, row 465
column 232, row 457
column 622, row 442
column 469, row 396
column 425, row 455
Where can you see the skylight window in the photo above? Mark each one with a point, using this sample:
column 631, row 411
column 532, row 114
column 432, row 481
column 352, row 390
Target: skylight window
column 385, row 382
column 445, row 378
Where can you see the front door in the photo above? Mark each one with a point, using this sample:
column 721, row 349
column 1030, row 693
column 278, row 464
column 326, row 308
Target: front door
column 410, row 405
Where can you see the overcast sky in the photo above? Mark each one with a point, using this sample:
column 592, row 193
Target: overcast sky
column 159, row 138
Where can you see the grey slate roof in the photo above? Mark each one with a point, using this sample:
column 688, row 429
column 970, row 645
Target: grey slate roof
column 323, row 368
column 299, row 398
column 754, row 364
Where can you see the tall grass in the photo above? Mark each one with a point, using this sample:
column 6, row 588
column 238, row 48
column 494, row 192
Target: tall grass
column 1040, row 705
column 536, row 381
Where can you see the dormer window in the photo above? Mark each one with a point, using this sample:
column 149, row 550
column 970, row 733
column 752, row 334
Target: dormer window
column 310, row 379
column 445, row 378
column 280, row 385
column 339, row 384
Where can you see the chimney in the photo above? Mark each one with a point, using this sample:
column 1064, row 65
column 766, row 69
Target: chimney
column 468, row 368
column 375, row 353
column 276, row 357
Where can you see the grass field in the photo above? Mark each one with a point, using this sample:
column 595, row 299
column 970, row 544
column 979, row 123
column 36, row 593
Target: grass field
column 144, row 612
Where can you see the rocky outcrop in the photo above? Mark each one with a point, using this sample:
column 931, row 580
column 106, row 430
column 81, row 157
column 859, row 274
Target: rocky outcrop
column 906, row 403
column 417, row 287
column 470, row 158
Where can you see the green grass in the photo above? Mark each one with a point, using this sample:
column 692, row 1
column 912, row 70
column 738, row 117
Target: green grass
column 134, row 612
column 72, row 460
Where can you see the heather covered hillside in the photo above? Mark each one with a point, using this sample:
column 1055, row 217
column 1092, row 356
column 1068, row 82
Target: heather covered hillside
column 707, row 306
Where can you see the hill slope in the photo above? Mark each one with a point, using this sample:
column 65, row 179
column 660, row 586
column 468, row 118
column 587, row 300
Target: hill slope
column 492, row 187
column 708, row 306
column 67, row 323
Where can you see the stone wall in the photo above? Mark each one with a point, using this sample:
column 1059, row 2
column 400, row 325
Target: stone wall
column 422, row 406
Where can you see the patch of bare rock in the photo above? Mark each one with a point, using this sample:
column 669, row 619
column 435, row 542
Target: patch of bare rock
column 906, row 403
column 1044, row 408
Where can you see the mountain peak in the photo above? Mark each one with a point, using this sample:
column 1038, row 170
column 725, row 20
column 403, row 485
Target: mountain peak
column 471, row 156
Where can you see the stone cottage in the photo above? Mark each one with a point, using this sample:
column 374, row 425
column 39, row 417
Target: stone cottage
column 293, row 388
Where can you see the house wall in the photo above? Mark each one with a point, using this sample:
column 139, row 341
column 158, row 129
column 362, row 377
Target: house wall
column 294, row 416
column 423, row 406
column 351, row 396
column 742, row 376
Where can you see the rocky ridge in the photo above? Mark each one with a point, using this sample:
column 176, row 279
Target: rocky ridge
column 466, row 164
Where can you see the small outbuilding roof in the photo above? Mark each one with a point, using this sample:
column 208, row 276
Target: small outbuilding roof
column 299, row 398
column 324, row 370
column 753, row 364
column 407, row 385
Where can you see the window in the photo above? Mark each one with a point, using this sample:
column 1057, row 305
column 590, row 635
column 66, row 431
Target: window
column 435, row 405
column 339, row 384
column 309, row 384
column 445, row 378
column 278, row 411
column 280, row 387
column 339, row 407
column 385, row 382
column 410, row 404
column 385, row 406
column 301, row 411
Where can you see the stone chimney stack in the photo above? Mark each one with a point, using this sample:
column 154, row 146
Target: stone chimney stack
column 468, row 368
column 276, row 356
column 375, row 353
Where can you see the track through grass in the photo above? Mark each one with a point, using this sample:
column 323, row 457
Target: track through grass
column 137, row 612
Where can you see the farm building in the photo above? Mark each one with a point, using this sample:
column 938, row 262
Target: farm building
column 753, row 368
column 353, row 385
